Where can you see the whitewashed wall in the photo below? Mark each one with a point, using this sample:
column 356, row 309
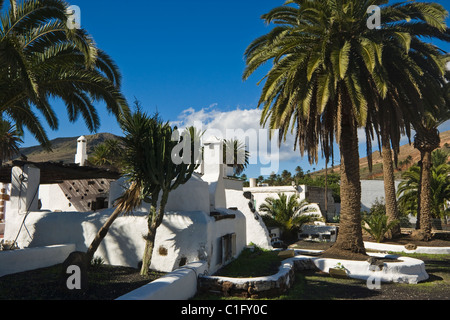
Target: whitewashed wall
column 371, row 190
column 53, row 198
column 256, row 230
column 192, row 235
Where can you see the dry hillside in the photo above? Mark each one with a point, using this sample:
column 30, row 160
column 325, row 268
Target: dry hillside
column 405, row 151
column 64, row 149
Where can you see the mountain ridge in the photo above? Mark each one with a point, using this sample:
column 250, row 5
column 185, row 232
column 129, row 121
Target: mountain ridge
column 406, row 150
column 64, row 150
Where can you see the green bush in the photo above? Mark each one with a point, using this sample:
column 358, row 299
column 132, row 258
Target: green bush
column 376, row 224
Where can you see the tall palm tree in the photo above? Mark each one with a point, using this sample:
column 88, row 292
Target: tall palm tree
column 329, row 76
column 41, row 58
column 426, row 141
column 394, row 115
column 288, row 213
column 10, row 139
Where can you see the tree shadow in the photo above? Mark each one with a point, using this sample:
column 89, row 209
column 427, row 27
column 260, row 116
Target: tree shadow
column 188, row 239
column 67, row 227
column 313, row 285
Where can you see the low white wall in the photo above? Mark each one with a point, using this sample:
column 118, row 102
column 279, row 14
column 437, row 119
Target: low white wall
column 123, row 245
column 407, row 270
column 14, row 261
column 371, row 190
column 261, row 193
column 399, row 248
column 180, row 284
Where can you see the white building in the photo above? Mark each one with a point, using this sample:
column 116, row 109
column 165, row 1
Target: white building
column 206, row 219
column 314, row 195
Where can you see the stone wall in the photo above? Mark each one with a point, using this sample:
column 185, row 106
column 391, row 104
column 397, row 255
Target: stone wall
column 258, row 287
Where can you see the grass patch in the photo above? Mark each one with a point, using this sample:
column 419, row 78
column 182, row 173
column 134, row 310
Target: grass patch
column 251, row 263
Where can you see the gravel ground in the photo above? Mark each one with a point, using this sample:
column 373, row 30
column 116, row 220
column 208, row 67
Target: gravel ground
column 105, row 283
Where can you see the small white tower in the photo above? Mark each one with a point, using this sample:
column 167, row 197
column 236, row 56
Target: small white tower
column 81, row 156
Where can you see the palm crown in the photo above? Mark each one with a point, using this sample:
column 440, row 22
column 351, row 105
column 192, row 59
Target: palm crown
column 41, row 58
column 326, row 58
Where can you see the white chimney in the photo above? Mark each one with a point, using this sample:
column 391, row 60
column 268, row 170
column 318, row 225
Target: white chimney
column 81, row 156
column 213, row 172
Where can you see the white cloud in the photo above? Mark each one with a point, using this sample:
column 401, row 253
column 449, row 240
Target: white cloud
column 217, row 122
column 244, row 123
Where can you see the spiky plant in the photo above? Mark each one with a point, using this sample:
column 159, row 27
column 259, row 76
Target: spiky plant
column 287, row 213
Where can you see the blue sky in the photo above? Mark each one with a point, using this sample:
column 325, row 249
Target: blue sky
column 183, row 59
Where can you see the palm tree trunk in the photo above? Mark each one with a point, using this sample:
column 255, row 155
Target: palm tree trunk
column 425, row 196
column 101, row 234
column 418, row 194
column 154, row 223
column 426, row 142
column 389, row 187
column 349, row 241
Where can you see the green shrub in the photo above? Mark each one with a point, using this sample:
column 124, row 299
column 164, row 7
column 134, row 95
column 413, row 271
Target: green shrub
column 376, row 224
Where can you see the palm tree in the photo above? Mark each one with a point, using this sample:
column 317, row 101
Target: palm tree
column 329, row 76
column 107, row 154
column 235, row 155
column 439, row 185
column 40, row 58
column 10, row 139
column 408, row 191
column 426, row 141
column 288, row 213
